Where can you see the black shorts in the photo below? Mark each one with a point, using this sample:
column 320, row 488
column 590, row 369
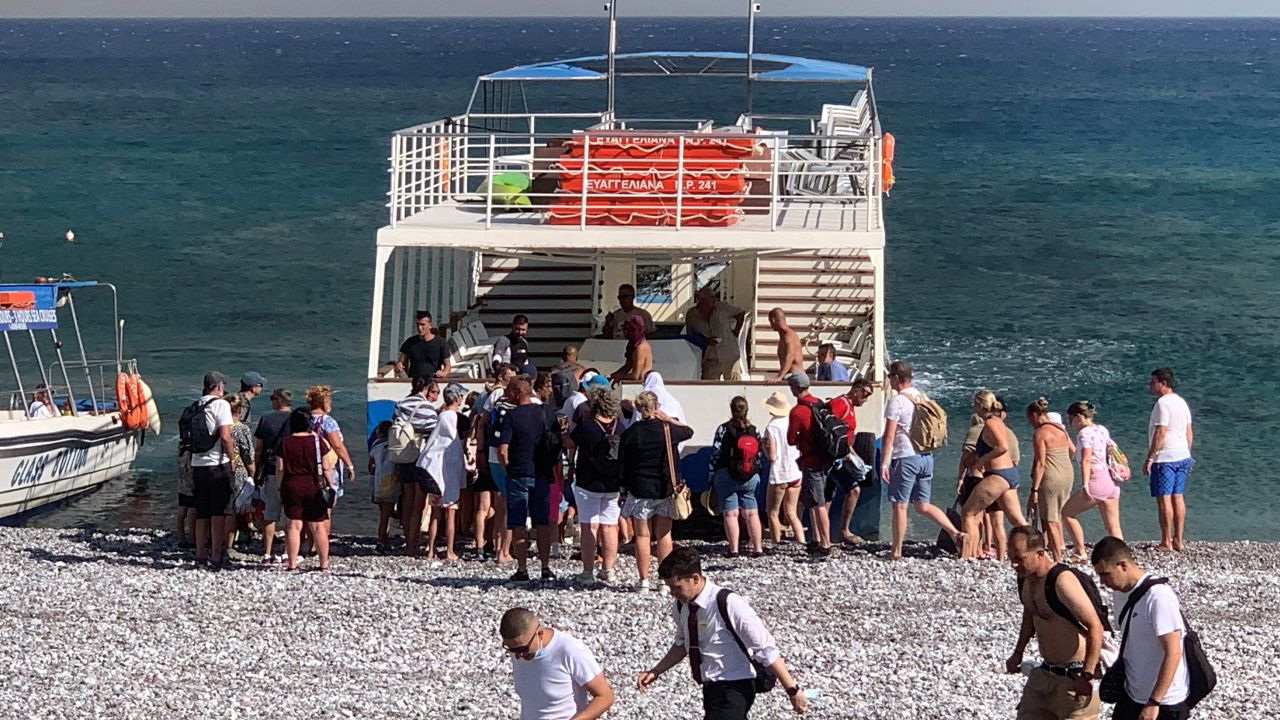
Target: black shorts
column 484, row 480
column 213, row 490
column 186, row 501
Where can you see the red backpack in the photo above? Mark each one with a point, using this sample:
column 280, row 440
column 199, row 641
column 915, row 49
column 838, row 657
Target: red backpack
column 744, row 455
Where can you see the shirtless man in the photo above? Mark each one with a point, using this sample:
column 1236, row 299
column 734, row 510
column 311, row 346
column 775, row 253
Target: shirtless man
column 1061, row 687
column 790, row 354
column 639, row 360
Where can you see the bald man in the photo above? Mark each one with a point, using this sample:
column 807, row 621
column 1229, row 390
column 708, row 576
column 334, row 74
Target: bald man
column 790, row 353
column 556, row 676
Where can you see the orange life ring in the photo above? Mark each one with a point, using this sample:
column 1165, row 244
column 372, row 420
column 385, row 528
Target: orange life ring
column 139, row 402
column 133, row 408
column 886, row 163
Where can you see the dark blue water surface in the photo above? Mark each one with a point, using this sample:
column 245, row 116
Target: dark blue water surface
column 1079, row 201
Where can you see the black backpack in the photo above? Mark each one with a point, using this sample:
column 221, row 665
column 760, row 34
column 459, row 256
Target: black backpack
column 604, row 456
column 1090, row 589
column 830, row 433
column 1201, row 676
column 550, row 446
column 563, row 383
column 196, row 437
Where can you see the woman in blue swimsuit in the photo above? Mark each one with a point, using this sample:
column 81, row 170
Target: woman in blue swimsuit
column 999, row 482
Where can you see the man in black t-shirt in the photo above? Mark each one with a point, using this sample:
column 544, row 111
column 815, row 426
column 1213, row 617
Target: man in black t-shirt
column 425, row 354
column 528, row 490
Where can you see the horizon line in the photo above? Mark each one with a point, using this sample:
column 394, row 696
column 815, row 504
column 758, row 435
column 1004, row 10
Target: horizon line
column 646, row 17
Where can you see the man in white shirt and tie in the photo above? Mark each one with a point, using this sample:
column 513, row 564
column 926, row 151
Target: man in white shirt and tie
column 726, row 642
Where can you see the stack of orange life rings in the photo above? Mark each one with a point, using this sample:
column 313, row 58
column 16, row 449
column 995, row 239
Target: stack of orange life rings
column 132, row 401
column 633, row 178
column 886, row 163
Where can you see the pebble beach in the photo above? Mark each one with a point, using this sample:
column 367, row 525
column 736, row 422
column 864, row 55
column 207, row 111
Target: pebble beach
column 120, row 624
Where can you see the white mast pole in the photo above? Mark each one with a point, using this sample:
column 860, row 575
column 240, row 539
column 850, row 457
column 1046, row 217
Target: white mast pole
column 753, row 7
column 612, row 8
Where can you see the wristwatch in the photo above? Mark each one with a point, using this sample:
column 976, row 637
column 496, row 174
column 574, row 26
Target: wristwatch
column 793, row 691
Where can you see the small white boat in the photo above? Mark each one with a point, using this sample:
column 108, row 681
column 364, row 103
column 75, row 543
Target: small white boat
column 64, row 430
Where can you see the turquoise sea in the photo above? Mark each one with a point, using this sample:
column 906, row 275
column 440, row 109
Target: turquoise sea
column 1079, row 201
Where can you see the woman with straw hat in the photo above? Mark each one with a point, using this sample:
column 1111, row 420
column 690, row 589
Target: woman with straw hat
column 783, row 498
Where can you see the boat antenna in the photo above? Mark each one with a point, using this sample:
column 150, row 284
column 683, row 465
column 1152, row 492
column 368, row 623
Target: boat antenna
column 611, row 7
column 752, row 9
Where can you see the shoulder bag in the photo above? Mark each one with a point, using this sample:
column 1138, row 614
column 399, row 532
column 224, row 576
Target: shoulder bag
column 326, row 488
column 682, row 500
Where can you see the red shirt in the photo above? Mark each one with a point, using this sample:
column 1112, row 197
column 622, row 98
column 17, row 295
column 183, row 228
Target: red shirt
column 843, row 409
column 800, row 434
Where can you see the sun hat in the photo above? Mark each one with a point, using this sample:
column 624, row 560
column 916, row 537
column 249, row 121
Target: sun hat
column 710, row 501
column 777, row 404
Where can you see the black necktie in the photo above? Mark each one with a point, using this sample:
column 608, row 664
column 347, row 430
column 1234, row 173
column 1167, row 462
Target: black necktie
column 695, row 652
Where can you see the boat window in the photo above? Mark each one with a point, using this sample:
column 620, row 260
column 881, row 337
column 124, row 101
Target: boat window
column 654, row 284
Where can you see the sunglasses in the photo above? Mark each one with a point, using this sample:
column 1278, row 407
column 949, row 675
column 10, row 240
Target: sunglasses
column 523, row 649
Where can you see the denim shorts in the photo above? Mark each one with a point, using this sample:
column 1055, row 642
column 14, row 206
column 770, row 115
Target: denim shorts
column 735, row 495
column 498, row 475
column 1170, row 478
column 528, row 499
column 911, row 479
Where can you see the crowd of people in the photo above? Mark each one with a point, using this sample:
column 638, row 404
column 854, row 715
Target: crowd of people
column 289, row 469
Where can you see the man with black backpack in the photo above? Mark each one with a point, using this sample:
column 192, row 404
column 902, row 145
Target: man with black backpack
column 204, row 430
column 1162, row 672
column 1062, row 609
column 817, row 433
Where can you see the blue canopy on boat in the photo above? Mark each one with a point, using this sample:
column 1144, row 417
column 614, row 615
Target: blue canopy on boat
column 765, row 67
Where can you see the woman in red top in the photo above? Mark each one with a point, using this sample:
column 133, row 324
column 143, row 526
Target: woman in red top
column 306, row 469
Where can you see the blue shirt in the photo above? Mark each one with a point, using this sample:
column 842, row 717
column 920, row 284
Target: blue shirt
column 835, row 372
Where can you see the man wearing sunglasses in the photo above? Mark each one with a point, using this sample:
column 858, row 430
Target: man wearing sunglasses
column 556, row 676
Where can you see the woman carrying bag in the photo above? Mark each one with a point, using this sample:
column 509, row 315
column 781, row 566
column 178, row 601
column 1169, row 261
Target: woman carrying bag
column 649, row 456
column 307, row 477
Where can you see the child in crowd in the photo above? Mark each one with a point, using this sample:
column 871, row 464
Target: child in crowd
column 385, row 483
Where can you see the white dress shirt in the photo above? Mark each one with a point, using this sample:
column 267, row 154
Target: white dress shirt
column 722, row 660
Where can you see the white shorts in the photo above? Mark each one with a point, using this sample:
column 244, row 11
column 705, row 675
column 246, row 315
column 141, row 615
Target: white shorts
column 595, row 508
column 643, row 509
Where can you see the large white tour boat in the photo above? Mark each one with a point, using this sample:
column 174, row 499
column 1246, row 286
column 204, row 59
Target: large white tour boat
column 74, row 423
column 506, row 210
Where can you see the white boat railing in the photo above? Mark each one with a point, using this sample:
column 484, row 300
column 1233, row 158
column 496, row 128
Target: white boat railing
column 674, row 174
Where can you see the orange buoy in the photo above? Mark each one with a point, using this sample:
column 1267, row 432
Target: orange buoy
column 138, row 418
column 133, row 407
column 886, row 163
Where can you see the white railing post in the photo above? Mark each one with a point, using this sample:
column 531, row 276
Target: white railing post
column 773, row 190
column 533, row 142
column 488, row 199
column 586, row 165
column 397, row 143
column 679, row 184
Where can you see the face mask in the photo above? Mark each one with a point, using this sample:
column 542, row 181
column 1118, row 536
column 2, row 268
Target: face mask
column 542, row 650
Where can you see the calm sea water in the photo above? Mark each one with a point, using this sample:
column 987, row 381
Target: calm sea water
column 1079, row 201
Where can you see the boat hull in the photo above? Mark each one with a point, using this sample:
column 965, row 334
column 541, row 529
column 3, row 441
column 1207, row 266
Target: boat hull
column 43, row 461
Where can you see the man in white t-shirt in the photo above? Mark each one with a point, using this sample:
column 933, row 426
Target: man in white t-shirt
column 1169, row 457
column 1156, row 682
column 909, row 474
column 41, row 406
column 211, row 473
column 556, row 676
column 627, row 309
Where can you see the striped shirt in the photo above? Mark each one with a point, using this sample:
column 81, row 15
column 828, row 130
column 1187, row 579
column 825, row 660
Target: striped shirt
column 419, row 412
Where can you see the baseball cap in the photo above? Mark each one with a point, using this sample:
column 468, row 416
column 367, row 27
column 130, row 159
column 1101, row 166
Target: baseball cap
column 252, row 378
column 213, row 379
column 798, row 381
